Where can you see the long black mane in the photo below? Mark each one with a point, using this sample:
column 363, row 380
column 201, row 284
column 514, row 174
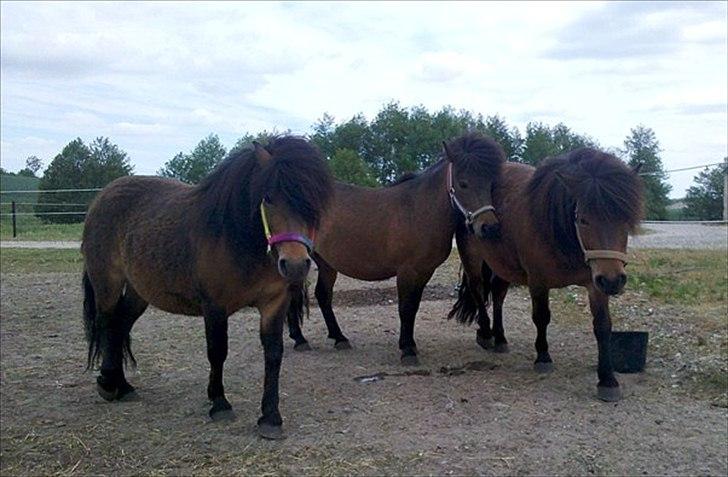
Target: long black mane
column 477, row 154
column 601, row 184
column 230, row 196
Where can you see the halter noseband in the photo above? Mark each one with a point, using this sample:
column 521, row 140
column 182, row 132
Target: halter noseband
column 595, row 254
column 469, row 216
column 286, row 236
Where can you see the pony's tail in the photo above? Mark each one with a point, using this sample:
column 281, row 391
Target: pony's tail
column 465, row 309
column 299, row 303
column 90, row 323
column 94, row 327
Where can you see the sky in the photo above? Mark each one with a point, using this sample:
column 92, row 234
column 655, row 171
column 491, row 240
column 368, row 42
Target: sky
column 156, row 78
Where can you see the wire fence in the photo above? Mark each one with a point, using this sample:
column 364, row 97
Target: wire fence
column 28, row 209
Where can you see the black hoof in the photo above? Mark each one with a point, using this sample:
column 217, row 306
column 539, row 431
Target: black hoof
column 606, row 394
column 107, row 394
column 343, row 344
column 410, row 360
column 543, row 368
column 302, row 346
column 221, row 410
column 271, row 432
column 227, row 415
column 485, row 343
column 501, row 348
column 128, row 396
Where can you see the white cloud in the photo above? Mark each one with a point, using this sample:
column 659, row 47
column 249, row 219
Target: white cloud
column 157, row 77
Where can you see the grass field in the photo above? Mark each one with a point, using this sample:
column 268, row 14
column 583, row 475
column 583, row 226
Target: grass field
column 30, row 228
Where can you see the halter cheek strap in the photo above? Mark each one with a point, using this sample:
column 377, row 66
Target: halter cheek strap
column 596, row 254
column 286, row 236
column 469, row 216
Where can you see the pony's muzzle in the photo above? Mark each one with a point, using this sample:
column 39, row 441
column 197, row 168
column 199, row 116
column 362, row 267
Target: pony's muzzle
column 611, row 285
column 294, row 270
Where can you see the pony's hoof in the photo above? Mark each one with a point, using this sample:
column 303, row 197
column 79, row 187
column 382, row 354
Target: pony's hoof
column 501, row 348
column 128, row 396
column 302, row 346
column 410, row 360
column 108, row 395
column 485, row 343
column 270, row 432
column 343, row 344
column 226, row 415
column 543, row 368
column 612, row 394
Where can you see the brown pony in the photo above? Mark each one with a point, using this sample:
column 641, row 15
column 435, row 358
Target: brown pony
column 404, row 230
column 563, row 223
column 202, row 250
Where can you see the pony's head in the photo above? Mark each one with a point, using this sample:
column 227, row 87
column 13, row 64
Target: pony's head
column 290, row 192
column 474, row 163
column 268, row 198
column 596, row 200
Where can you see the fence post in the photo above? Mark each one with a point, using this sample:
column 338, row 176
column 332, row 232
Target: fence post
column 725, row 189
column 15, row 230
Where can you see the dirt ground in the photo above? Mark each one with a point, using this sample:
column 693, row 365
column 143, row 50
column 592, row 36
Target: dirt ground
column 496, row 417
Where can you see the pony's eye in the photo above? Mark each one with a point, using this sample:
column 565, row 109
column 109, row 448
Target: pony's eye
column 463, row 184
column 583, row 221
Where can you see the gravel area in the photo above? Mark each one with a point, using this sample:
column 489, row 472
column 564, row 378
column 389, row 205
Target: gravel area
column 676, row 235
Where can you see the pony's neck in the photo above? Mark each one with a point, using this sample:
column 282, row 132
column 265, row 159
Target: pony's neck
column 436, row 199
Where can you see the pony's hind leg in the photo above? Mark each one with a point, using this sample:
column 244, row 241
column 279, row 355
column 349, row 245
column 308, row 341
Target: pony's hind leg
column 295, row 317
column 109, row 330
column 324, row 296
column 480, row 288
column 541, row 315
column 499, row 289
column 216, row 334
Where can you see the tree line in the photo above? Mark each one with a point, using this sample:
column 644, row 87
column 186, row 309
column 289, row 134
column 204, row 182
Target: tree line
column 375, row 152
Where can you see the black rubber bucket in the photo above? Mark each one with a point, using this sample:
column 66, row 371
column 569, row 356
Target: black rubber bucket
column 629, row 351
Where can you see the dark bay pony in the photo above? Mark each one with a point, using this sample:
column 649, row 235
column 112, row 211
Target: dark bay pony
column 204, row 250
column 404, row 230
column 563, row 223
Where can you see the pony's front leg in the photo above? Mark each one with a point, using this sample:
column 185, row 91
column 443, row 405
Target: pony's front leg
column 273, row 314
column 608, row 388
column 541, row 316
column 216, row 332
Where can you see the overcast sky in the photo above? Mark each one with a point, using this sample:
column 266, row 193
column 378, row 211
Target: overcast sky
column 158, row 77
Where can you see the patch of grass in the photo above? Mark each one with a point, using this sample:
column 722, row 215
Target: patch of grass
column 17, row 260
column 688, row 277
column 31, row 228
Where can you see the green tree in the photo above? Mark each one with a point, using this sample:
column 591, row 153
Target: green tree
column 539, row 143
column 642, row 147
column 704, row 201
column 32, row 166
column 79, row 166
column 347, row 166
column 509, row 138
column 193, row 167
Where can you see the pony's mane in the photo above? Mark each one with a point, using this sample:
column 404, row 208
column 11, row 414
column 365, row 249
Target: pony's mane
column 602, row 185
column 407, row 176
column 230, row 196
column 477, row 154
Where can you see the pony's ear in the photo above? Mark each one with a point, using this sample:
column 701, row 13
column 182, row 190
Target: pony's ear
column 636, row 169
column 566, row 180
column 261, row 153
column 445, row 148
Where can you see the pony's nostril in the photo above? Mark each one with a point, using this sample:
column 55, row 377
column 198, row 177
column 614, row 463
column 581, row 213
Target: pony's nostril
column 601, row 282
column 490, row 231
column 622, row 280
column 283, row 265
column 308, row 264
